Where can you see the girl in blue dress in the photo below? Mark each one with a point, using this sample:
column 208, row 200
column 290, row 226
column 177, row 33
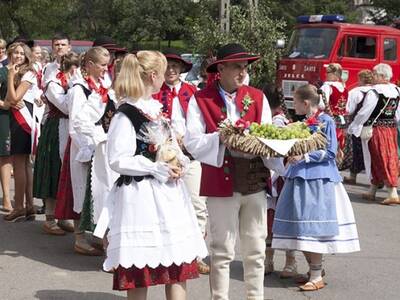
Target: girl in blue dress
column 314, row 213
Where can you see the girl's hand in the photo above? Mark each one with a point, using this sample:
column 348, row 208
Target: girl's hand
column 4, row 105
column 13, row 69
column 174, row 172
column 19, row 105
column 294, row 159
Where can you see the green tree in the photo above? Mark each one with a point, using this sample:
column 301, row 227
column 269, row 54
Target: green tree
column 259, row 37
column 289, row 10
column 385, row 11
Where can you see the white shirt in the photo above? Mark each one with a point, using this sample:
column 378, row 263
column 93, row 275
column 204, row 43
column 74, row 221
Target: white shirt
column 50, row 72
column 371, row 99
column 355, row 97
column 178, row 120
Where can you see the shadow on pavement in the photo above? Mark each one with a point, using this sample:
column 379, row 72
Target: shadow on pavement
column 35, row 245
column 271, row 280
column 72, row 295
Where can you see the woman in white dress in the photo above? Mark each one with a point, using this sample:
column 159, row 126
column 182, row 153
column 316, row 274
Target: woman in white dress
column 153, row 233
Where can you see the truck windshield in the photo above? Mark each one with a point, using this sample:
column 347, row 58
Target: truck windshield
column 313, row 43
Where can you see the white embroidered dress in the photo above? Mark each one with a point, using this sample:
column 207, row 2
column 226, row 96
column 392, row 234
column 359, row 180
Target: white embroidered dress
column 88, row 141
column 152, row 221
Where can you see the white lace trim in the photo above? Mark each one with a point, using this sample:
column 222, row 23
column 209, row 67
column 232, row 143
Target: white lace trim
column 185, row 251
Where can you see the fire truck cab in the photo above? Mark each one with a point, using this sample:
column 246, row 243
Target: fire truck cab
column 319, row 40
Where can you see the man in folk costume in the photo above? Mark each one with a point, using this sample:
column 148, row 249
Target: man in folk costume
column 174, row 95
column 380, row 113
column 234, row 184
column 60, row 44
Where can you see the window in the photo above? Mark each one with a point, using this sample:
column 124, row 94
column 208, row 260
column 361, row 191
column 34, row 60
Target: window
column 389, row 49
column 361, row 47
column 313, row 43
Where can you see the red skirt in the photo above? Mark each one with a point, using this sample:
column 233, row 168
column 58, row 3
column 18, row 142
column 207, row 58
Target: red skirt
column 384, row 156
column 341, row 137
column 131, row 278
column 65, row 199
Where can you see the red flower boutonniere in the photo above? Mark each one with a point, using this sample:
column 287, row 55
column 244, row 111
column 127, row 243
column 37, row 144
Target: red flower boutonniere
column 247, row 102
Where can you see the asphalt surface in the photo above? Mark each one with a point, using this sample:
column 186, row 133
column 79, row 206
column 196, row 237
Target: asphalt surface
column 34, row 265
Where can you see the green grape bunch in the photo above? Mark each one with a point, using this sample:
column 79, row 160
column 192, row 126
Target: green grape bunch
column 298, row 130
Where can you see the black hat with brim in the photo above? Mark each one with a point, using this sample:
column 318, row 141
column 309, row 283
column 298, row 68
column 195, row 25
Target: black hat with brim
column 230, row 53
column 22, row 39
column 109, row 44
column 174, row 55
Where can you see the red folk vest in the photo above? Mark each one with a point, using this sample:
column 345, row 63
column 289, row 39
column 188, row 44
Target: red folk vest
column 338, row 100
column 166, row 97
column 218, row 182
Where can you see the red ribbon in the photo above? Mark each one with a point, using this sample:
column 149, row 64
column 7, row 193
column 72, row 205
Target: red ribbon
column 101, row 90
column 61, row 76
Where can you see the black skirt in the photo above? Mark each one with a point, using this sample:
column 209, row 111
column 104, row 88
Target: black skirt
column 21, row 141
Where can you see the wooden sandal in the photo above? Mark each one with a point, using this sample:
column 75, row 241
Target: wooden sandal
column 304, row 278
column 289, row 271
column 311, row 286
column 51, row 227
column 390, row 201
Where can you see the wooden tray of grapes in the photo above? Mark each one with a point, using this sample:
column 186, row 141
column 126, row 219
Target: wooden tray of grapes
column 268, row 140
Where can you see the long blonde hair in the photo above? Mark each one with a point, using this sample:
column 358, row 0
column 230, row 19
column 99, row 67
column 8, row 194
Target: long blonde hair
column 27, row 64
column 135, row 71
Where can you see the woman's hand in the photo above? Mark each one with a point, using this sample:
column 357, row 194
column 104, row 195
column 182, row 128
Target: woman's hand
column 174, row 172
column 19, row 105
column 4, row 105
column 294, row 159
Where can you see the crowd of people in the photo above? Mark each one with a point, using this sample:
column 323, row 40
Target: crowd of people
column 121, row 147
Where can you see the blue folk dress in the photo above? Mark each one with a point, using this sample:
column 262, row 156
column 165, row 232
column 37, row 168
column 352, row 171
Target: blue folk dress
column 314, row 212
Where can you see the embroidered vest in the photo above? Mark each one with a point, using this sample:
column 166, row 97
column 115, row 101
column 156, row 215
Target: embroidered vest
column 54, row 112
column 137, row 119
column 388, row 117
column 236, row 174
column 337, row 103
column 165, row 97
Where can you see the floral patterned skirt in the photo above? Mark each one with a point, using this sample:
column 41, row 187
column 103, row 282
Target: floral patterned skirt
column 384, row 157
column 131, row 278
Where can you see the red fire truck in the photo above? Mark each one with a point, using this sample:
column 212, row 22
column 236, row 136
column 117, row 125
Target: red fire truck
column 320, row 40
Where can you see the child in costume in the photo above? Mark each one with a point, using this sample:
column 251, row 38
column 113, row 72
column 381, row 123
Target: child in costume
column 314, row 213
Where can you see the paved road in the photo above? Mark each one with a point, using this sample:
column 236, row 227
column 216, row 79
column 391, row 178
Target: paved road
column 36, row 266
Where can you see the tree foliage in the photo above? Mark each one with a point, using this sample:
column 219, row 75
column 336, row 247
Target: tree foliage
column 385, row 11
column 258, row 36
